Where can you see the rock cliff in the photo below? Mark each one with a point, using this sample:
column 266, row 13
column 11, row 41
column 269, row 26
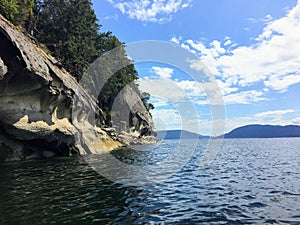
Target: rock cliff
column 44, row 111
column 132, row 120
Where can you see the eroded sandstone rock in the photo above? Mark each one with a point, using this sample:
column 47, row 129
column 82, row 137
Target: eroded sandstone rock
column 44, row 111
column 132, row 120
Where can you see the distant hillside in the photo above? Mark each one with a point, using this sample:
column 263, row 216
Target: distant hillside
column 249, row 131
column 179, row 134
column 264, row 131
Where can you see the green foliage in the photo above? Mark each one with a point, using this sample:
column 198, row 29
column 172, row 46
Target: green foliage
column 9, row 8
column 70, row 30
column 25, row 13
column 20, row 12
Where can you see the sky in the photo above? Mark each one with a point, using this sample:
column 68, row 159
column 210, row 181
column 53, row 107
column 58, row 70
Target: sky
column 249, row 51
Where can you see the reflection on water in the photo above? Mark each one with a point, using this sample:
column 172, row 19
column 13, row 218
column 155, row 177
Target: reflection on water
column 250, row 182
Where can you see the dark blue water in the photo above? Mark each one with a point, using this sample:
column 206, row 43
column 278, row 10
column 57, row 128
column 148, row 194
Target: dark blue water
column 251, row 181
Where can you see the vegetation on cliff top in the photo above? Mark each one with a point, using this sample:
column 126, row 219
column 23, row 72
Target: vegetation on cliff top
column 20, row 12
column 71, row 32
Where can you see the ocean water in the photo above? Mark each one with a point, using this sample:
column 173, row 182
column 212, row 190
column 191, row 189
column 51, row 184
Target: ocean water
column 251, row 181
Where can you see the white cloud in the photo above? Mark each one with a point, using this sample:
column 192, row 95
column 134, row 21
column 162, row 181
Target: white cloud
column 227, row 42
column 226, row 86
column 191, row 87
column 282, row 83
column 244, row 97
column 175, row 40
column 167, row 119
column 187, row 47
column 273, row 60
column 163, row 72
column 267, row 18
column 159, row 102
column 274, row 113
column 162, row 88
column 114, row 17
column 216, row 49
column 172, row 94
column 187, row 4
column 253, row 20
column 295, row 121
column 150, row 10
column 199, row 93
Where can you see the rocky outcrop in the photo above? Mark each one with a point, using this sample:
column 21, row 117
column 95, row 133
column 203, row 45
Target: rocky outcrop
column 44, row 112
column 132, row 120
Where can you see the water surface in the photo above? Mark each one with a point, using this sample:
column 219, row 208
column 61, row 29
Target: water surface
column 251, row 181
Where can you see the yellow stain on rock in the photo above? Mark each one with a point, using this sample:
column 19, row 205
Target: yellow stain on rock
column 95, row 138
column 63, row 125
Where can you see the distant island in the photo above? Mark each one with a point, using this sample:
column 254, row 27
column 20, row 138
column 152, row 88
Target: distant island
column 264, row 131
column 248, row 131
column 179, row 134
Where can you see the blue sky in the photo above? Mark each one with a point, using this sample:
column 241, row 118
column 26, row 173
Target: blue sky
column 251, row 48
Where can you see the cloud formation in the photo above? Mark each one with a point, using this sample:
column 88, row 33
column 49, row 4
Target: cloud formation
column 157, row 11
column 244, row 74
column 163, row 72
column 273, row 60
column 274, row 114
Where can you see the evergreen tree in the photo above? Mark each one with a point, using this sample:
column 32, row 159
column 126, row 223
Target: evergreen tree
column 9, row 8
column 70, row 30
column 25, row 13
column 19, row 12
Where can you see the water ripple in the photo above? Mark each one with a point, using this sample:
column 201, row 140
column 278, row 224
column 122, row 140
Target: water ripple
column 251, row 182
